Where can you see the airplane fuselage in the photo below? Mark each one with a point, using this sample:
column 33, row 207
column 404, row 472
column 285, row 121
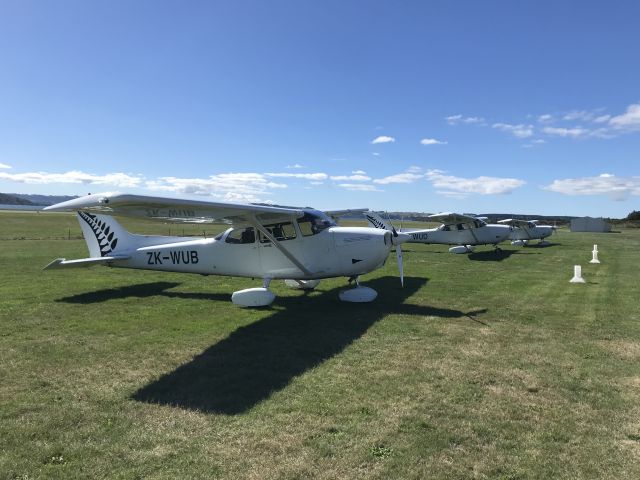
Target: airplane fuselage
column 336, row 251
column 484, row 235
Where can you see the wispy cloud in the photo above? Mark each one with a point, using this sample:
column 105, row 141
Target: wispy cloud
column 353, row 178
column 574, row 132
column 458, row 119
column 359, row 172
column 406, row 177
column 630, row 120
column 432, row 141
column 546, row 118
column 122, row 180
column 4, row 165
column 306, row 176
column 452, row 186
column 244, row 187
column 616, row 188
column 359, row 187
column 295, row 165
column 383, row 139
column 519, row 131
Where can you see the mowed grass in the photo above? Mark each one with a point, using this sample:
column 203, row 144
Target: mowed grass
column 480, row 367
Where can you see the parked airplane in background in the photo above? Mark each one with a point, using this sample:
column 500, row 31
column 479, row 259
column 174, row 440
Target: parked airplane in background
column 463, row 231
column 526, row 230
column 300, row 245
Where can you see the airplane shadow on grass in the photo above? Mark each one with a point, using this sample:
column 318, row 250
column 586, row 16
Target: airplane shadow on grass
column 261, row 358
column 491, row 255
column 142, row 290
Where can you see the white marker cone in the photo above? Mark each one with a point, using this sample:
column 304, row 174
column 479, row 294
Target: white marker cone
column 577, row 275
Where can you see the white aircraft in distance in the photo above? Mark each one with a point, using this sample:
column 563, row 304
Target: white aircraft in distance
column 300, row 245
column 526, row 230
column 463, row 231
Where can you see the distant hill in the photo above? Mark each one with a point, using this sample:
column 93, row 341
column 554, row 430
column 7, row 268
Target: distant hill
column 43, row 200
column 11, row 199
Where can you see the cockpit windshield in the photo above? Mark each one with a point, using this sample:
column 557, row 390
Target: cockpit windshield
column 314, row 222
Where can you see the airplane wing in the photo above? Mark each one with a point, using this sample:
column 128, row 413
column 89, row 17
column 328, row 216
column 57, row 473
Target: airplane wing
column 336, row 214
column 450, row 218
column 177, row 210
column 514, row 222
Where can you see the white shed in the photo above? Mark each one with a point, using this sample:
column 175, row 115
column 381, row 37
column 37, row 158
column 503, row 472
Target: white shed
column 589, row 224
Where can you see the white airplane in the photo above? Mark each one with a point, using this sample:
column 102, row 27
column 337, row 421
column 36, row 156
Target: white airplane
column 526, row 230
column 300, row 245
column 463, row 231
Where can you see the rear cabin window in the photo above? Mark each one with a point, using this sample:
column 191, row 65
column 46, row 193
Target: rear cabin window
column 241, row 235
column 280, row 231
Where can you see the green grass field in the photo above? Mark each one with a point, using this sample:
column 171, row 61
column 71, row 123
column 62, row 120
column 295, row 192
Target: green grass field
column 480, row 367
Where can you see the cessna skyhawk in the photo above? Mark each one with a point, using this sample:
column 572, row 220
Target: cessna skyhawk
column 463, row 231
column 525, row 230
column 300, row 245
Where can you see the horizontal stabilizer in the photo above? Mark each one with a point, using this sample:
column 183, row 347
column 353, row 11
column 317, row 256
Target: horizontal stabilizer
column 84, row 262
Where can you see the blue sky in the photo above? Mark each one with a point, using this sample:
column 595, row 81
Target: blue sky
column 492, row 106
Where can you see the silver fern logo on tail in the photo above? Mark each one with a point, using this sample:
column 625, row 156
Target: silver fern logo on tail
column 106, row 239
column 376, row 222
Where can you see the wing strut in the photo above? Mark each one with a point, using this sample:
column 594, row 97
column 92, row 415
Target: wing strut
column 279, row 246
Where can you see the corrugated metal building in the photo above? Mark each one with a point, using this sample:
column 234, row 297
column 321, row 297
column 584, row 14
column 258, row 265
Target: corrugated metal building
column 589, row 224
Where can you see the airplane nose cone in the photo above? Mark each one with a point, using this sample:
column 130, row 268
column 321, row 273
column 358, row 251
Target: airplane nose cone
column 401, row 238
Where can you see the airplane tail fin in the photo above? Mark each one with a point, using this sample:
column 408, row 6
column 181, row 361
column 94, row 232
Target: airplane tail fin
column 104, row 234
column 376, row 221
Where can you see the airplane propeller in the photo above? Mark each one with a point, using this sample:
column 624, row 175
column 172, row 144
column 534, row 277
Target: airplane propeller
column 398, row 239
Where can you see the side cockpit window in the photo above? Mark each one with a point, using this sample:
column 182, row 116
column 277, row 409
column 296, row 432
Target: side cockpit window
column 280, row 231
column 241, row 235
column 313, row 222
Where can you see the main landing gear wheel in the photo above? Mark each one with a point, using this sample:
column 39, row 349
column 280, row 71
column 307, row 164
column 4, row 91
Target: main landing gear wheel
column 359, row 294
column 254, row 297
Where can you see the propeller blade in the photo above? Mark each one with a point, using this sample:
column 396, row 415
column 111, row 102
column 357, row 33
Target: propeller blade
column 400, row 264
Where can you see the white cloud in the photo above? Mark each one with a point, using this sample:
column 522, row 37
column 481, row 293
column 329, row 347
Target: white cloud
column 4, row 165
column 602, row 118
column 583, row 115
column 359, row 172
column 375, row 154
column 432, row 141
column 359, row 187
column 306, row 176
column 353, row 178
column 457, row 119
column 383, row 139
column 295, row 165
column 450, row 185
column 414, row 169
column 630, row 120
column 75, row 176
column 407, row 177
column 616, row 188
column 519, row 131
column 546, row 118
column 574, row 132
column 233, row 187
